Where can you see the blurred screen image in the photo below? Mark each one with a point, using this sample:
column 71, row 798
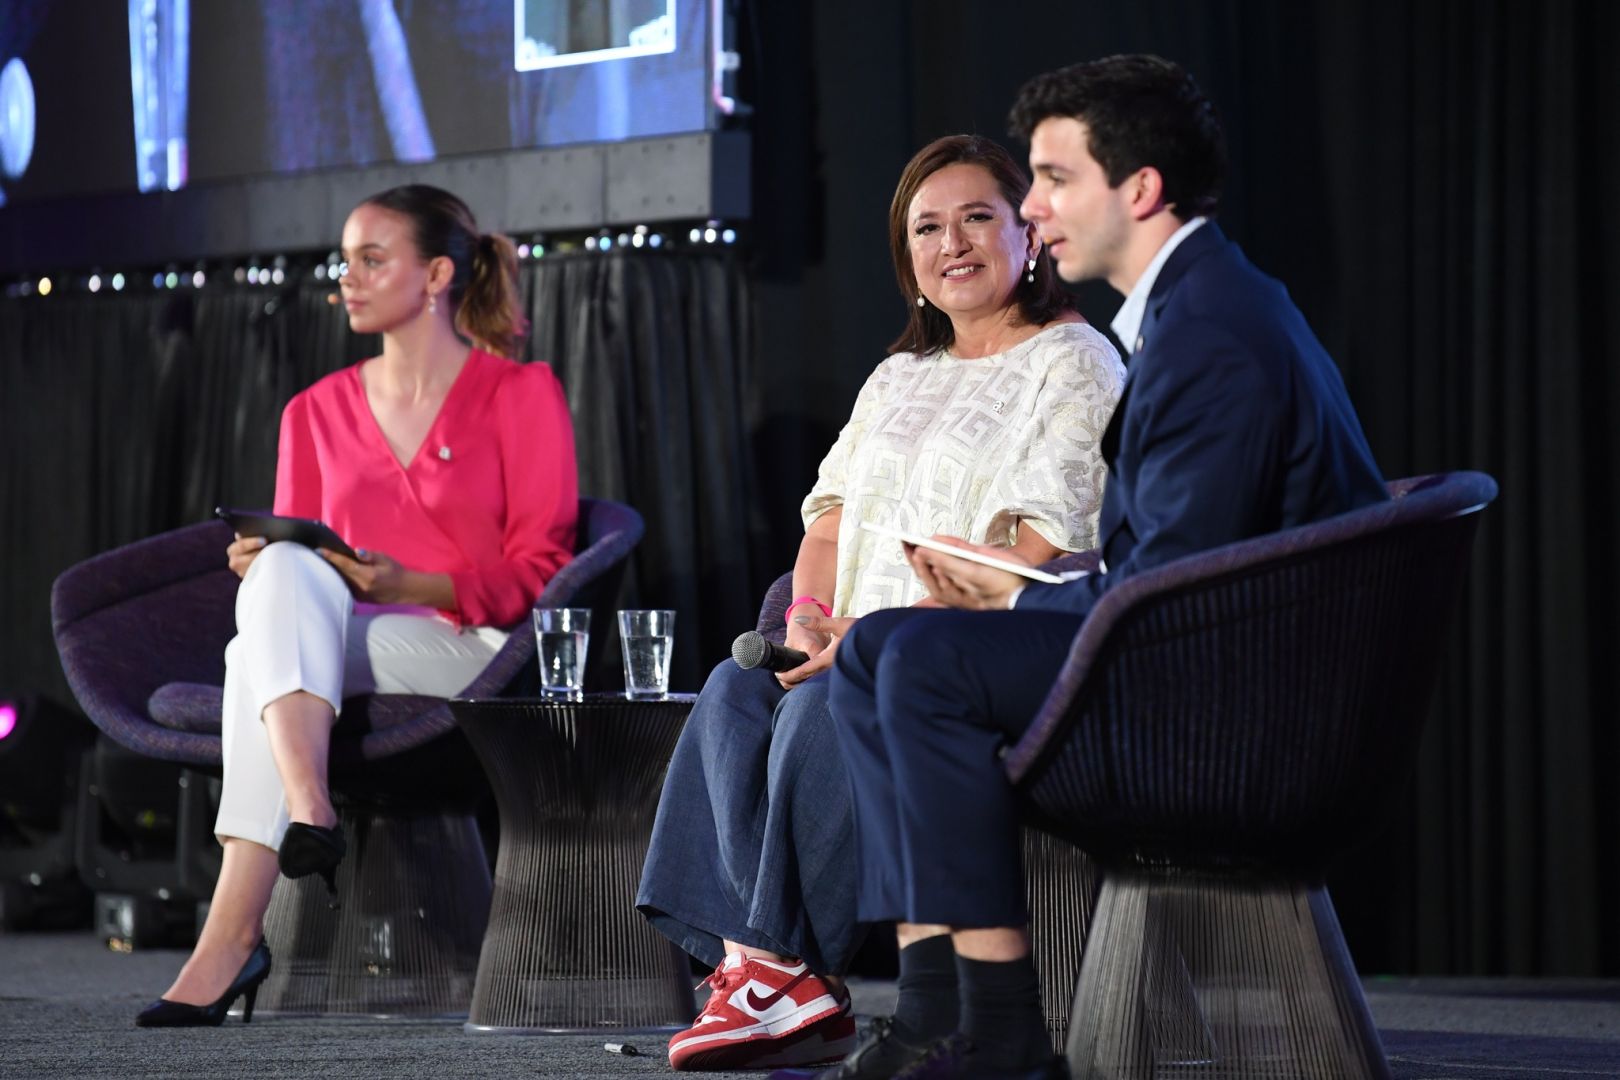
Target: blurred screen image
column 556, row 33
column 151, row 95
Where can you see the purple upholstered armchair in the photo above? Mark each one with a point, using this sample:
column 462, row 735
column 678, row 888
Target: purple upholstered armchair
column 1224, row 726
column 142, row 632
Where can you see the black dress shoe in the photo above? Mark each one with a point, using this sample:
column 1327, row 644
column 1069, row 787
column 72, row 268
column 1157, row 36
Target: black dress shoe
column 310, row 849
column 166, row 1013
column 880, row 1055
column 955, row 1058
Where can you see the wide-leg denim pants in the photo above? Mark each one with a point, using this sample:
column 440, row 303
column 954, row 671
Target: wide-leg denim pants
column 754, row 839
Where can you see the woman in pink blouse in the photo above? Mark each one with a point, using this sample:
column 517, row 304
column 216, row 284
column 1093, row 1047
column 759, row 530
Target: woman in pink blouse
column 450, row 470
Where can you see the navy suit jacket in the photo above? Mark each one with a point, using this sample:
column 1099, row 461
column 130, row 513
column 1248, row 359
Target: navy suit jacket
column 1233, row 423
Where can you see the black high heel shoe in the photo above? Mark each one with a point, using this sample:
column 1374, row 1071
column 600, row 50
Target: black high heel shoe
column 166, row 1013
column 310, row 849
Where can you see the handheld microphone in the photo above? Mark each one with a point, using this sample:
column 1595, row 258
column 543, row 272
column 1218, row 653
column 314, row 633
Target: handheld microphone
column 752, row 650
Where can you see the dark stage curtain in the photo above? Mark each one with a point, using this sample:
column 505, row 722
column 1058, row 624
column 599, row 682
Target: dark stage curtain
column 1432, row 181
column 1470, row 229
column 128, row 414
column 655, row 352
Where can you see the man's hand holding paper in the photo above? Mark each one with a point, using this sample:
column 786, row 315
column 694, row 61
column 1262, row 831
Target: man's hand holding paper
column 959, row 583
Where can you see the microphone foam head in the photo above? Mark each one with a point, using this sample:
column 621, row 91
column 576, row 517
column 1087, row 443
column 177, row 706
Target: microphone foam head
column 749, row 649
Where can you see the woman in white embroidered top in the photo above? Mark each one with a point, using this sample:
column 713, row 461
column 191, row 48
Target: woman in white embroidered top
column 985, row 422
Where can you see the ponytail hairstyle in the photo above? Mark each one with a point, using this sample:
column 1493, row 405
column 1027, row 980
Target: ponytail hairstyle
column 490, row 310
column 483, row 287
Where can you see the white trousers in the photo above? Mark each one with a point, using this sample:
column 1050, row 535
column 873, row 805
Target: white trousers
column 298, row 628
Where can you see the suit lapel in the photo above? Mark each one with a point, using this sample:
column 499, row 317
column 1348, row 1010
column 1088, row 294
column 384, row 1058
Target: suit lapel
column 1203, row 240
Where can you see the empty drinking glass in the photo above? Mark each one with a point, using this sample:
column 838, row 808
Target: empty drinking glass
column 646, row 638
column 564, row 637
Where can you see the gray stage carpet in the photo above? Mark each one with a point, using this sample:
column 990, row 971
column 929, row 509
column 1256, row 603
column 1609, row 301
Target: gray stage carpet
column 66, row 1006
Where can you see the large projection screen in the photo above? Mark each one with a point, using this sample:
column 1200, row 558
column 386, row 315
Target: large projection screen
column 148, row 95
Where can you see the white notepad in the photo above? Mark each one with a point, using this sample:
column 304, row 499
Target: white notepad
column 971, row 556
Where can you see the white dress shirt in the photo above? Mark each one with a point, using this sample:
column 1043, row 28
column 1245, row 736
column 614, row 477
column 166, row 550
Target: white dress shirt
column 1127, row 324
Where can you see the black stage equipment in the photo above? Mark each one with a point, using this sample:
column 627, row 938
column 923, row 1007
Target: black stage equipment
column 146, row 847
column 42, row 750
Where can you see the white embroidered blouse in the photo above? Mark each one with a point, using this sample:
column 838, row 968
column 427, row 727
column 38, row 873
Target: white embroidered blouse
column 938, row 444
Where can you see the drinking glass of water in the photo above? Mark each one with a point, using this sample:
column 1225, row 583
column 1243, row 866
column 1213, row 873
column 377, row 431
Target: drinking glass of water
column 564, row 637
column 646, row 638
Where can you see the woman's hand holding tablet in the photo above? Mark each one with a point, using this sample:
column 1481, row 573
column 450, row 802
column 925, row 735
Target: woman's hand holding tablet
column 272, row 527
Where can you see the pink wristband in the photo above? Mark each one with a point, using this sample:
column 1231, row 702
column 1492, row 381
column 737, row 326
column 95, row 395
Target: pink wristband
column 825, row 610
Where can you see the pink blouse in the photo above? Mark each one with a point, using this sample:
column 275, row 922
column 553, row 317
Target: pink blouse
column 491, row 497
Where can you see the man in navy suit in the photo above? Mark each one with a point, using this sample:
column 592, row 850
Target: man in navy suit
column 1234, row 423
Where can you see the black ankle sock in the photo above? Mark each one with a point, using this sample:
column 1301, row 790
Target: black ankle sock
column 1001, row 1012
column 928, row 996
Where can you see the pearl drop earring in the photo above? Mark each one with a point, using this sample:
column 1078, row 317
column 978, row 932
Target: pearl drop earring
column 921, row 302
column 1030, row 277
column 433, row 304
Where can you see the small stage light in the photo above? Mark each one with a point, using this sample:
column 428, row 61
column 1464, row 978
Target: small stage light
column 709, row 235
column 157, row 281
column 320, row 272
column 118, row 282
column 94, row 283
column 8, row 718
column 729, row 236
column 656, row 240
column 637, row 240
column 197, row 279
column 695, row 235
column 523, row 251
column 44, row 286
column 171, row 279
column 277, row 275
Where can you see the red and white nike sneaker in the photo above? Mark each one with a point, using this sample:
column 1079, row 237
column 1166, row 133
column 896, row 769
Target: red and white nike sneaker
column 762, row 1014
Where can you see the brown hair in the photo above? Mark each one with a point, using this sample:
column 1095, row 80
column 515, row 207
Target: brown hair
column 927, row 328
column 483, row 286
column 1139, row 111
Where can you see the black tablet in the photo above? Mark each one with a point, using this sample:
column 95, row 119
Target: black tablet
column 312, row 534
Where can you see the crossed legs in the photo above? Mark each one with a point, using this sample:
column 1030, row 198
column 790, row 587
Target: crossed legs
column 283, row 670
column 300, row 648
column 299, row 729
